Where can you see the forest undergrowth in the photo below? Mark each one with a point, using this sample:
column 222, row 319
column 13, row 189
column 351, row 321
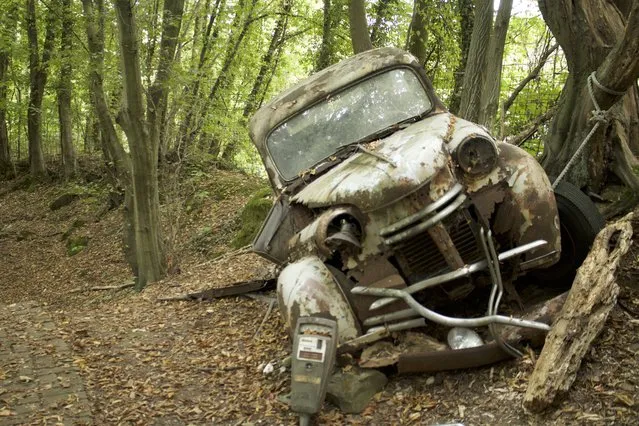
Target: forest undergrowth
column 151, row 362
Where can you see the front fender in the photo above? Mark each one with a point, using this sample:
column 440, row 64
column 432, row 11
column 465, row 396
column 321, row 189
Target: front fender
column 308, row 288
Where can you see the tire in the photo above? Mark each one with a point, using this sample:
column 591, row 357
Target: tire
column 580, row 222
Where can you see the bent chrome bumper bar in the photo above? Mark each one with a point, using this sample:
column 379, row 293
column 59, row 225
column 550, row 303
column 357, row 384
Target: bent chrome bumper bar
column 492, row 318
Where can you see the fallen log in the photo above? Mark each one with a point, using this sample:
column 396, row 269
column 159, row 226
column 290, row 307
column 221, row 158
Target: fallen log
column 590, row 300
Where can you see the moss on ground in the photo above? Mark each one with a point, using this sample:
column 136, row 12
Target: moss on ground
column 253, row 216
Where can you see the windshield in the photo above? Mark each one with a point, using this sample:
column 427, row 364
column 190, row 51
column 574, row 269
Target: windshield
column 349, row 116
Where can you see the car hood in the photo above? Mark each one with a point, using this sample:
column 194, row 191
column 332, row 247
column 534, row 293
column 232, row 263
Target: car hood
column 369, row 181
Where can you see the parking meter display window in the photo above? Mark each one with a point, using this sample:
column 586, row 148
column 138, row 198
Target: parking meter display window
column 311, row 348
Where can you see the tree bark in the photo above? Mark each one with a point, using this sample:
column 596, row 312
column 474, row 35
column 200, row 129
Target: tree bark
column 69, row 163
column 158, row 92
column 595, row 36
column 143, row 135
column 331, row 21
column 489, row 101
column 109, row 139
column 7, row 23
column 379, row 28
column 467, row 13
column 417, row 31
column 38, row 74
column 590, row 300
column 475, row 71
column 360, row 37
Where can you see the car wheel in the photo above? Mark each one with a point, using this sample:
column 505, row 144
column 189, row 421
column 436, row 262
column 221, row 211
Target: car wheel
column 580, row 222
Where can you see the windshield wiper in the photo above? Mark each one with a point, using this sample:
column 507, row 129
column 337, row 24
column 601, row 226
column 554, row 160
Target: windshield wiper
column 376, row 155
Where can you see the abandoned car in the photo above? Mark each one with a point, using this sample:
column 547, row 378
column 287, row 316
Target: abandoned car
column 387, row 205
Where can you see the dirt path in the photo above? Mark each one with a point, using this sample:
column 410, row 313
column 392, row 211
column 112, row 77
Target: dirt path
column 39, row 379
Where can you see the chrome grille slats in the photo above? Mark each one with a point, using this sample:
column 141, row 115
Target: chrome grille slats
column 417, row 254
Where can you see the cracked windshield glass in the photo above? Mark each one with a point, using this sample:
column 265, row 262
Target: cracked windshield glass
column 344, row 118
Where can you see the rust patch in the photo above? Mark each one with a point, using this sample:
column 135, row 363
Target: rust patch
column 451, row 129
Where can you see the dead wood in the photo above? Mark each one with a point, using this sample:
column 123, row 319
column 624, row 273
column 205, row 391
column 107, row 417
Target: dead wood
column 545, row 312
column 104, row 288
column 592, row 297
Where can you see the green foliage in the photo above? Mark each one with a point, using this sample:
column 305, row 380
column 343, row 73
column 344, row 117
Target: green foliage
column 216, row 126
column 76, row 244
column 253, row 216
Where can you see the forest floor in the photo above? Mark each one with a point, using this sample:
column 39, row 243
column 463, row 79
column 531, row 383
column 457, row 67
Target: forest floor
column 147, row 362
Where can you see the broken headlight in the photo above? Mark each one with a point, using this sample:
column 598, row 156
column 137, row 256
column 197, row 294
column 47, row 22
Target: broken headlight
column 476, row 155
column 340, row 229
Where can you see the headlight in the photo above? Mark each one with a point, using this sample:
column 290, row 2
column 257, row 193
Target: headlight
column 476, row 155
column 340, row 228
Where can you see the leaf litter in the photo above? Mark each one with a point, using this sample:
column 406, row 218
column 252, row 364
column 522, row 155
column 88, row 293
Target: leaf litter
column 149, row 362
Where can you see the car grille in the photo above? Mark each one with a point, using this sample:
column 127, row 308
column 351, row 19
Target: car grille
column 419, row 257
column 417, row 254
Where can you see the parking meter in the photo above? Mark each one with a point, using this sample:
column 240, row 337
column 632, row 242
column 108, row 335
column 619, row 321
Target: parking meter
column 312, row 360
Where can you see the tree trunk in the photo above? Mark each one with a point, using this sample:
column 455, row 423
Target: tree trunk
column 157, row 99
column 151, row 262
column 418, row 32
column 267, row 59
column 109, row 140
column 466, row 12
column 489, row 102
column 475, row 71
column 69, row 163
column 38, row 73
column 359, row 29
column 595, row 36
column 222, row 80
column 330, row 22
column 381, row 25
column 5, row 156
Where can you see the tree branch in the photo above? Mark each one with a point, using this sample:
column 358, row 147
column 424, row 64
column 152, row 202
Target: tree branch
column 531, row 76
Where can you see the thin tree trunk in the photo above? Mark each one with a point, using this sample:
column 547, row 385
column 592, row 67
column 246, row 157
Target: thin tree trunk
column 475, row 71
column 595, row 36
column 69, row 163
column 8, row 21
column 359, row 28
column 38, row 73
column 158, row 92
column 222, row 79
column 185, row 135
column 379, row 28
column 5, row 156
column 108, row 136
column 466, row 12
column 489, row 102
column 417, row 32
column 267, row 59
column 326, row 51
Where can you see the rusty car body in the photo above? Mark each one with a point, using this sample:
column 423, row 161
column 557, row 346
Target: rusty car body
column 387, row 204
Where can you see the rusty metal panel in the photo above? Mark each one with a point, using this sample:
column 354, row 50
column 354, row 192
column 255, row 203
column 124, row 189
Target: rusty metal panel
column 307, row 288
column 417, row 153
